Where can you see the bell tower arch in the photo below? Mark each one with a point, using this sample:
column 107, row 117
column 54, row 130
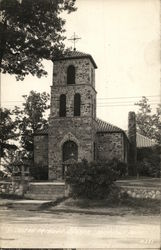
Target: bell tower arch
column 73, row 108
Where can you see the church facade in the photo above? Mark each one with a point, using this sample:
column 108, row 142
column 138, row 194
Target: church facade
column 74, row 131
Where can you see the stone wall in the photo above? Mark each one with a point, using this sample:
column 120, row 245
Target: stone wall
column 142, row 192
column 41, row 150
column 111, row 145
column 85, row 73
column 11, row 188
column 88, row 103
column 79, row 129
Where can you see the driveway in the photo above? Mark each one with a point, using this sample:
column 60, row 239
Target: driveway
column 33, row 229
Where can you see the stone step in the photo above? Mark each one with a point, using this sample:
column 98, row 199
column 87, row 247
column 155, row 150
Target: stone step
column 47, row 194
column 46, row 187
column 45, row 191
column 48, row 191
column 43, row 196
column 42, row 184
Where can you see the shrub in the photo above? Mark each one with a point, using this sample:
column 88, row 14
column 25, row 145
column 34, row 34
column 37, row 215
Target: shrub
column 149, row 161
column 91, row 180
column 148, row 168
column 121, row 167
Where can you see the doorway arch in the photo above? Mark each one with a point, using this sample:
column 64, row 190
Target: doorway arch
column 70, row 151
column 70, row 154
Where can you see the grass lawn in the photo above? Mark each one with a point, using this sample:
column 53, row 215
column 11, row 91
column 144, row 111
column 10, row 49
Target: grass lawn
column 144, row 182
column 125, row 206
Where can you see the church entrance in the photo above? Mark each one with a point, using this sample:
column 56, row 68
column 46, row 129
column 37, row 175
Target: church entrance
column 70, row 154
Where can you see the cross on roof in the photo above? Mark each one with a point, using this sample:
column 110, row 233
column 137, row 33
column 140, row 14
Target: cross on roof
column 74, row 39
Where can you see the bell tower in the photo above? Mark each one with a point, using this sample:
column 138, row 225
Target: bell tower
column 72, row 123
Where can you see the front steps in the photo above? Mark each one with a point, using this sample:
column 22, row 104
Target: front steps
column 45, row 190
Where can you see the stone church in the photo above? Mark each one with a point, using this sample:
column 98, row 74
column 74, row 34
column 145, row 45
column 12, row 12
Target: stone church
column 74, row 131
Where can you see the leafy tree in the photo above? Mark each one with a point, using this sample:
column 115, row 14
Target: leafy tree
column 149, row 123
column 31, row 118
column 7, row 132
column 12, row 161
column 149, row 160
column 29, row 32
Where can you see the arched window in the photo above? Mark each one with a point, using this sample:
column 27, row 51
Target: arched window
column 62, row 108
column 70, row 151
column 77, row 104
column 71, row 75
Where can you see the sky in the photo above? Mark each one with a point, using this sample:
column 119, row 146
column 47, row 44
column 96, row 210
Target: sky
column 123, row 37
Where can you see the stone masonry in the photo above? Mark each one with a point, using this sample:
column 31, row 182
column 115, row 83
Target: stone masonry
column 81, row 129
column 110, row 145
column 94, row 139
column 41, row 150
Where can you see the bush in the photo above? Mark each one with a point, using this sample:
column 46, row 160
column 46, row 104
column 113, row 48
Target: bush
column 91, row 180
column 149, row 161
column 121, row 167
column 4, row 175
column 148, row 168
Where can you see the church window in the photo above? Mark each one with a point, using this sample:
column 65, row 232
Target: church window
column 62, row 110
column 77, row 104
column 71, row 75
column 70, row 151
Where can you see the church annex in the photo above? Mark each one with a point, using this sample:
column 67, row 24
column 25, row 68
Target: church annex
column 74, row 132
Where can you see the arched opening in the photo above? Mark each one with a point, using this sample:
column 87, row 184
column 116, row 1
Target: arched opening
column 71, row 75
column 62, row 108
column 77, row 104
column 70, row 151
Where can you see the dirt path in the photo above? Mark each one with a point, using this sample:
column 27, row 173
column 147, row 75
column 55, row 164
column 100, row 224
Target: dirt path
column 31, row 229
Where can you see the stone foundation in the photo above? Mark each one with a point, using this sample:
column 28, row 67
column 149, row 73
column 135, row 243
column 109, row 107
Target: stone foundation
column 111, row 145
column 142, row 192
column 11, row 188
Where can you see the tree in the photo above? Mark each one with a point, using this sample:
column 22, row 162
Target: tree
column 148, row 123
column 7, row 132
column 31, row 118
column 12, row 161
column 31, row 31
column 149, row 160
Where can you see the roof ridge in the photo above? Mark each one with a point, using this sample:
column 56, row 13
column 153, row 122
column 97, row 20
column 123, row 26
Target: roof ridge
column 76, row 51
column 74, row 54
column 145, row 136
column 108, row 123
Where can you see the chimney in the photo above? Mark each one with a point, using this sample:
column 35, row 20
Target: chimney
column 132, row 139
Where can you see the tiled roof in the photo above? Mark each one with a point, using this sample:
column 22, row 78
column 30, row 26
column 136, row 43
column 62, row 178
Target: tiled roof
column 103, row 126
column 143, row 141
column 76, row 55
column 42, row 132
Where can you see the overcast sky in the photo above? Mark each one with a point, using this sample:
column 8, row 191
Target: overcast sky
column 123, row 38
